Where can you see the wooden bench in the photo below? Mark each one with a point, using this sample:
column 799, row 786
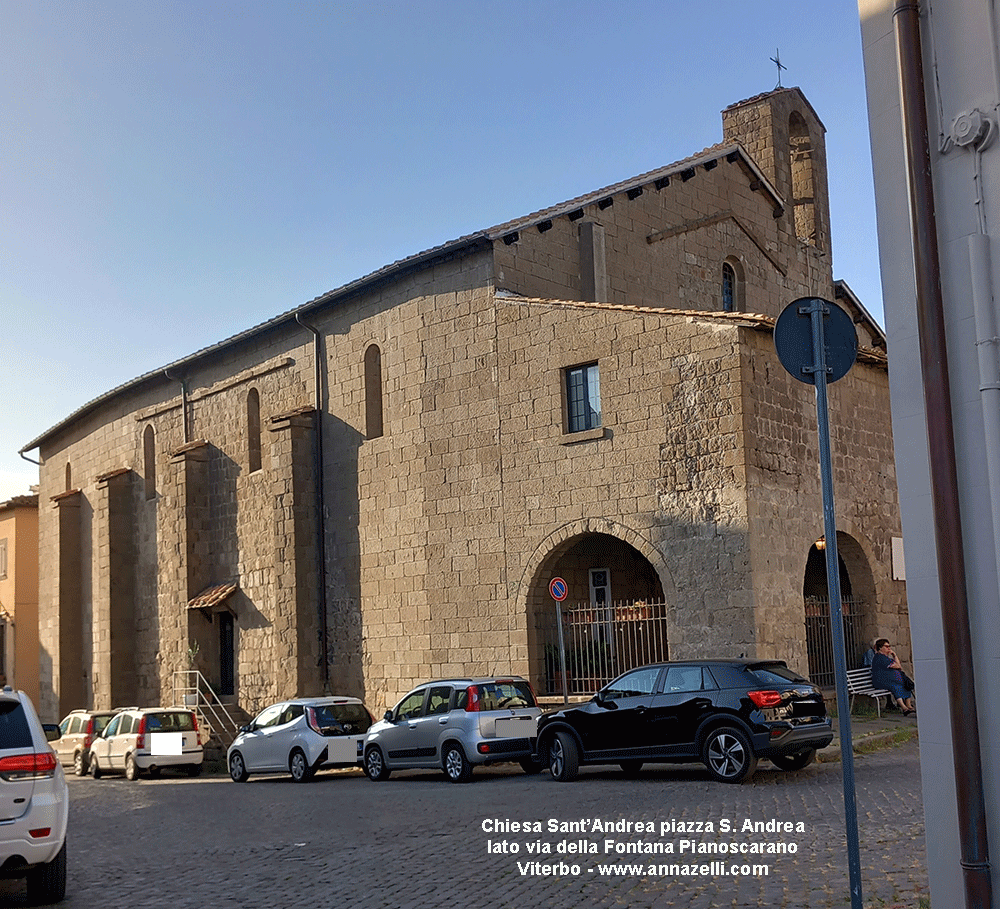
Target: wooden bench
column 859, row 681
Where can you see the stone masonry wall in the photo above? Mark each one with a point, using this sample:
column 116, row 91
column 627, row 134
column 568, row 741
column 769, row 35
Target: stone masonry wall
column 786, row 508
column 666, row 466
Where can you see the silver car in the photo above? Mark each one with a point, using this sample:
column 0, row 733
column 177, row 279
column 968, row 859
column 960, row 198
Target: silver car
column 299, row 737
column 454, row 724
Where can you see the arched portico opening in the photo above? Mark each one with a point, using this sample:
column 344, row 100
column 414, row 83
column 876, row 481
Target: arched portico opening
column 614, row 616
column 858, row 606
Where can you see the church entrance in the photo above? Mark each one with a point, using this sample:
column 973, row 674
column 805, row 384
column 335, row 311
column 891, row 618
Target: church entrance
column 613, row 618
column 857, row 594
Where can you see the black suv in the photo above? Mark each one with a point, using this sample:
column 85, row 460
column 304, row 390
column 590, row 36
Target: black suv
column 726, row 713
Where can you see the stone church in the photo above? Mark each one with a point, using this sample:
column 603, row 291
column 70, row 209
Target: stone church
column 376, row 487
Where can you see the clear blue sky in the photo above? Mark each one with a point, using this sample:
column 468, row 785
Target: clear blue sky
column 174, row 172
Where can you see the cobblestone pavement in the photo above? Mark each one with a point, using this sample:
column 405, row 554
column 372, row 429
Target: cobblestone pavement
column 416, row 840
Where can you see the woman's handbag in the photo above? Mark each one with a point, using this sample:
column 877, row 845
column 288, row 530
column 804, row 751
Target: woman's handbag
column 907, row 682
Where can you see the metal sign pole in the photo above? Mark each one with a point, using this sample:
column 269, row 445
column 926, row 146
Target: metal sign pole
column 817, row 309
column 562, row 653
column 558, row 589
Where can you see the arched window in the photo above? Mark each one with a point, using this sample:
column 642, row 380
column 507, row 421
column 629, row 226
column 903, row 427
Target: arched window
column 253, row 429
column 149, row 461
column 800, row 154
column 373, row 392
column 69, row 477
column 728, row 288
column 732, row 285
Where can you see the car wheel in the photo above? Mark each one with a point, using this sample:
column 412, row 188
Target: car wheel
column 131, row 768
column 79, row 768
column 631, row 768
column 564, row 758
column 729, row 756
column 299, row 767
column 456, row 765
column 375, row 768
column 793, row 762
column 193, row 769
column 47, row 883
column 237, row 768
column 531, row 766
column 95, row 768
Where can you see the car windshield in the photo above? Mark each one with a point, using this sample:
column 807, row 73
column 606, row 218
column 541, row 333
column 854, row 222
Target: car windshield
column 351, row 718
column 14, row 731
column 508, row 693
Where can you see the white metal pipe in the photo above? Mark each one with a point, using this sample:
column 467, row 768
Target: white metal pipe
column 988, row 348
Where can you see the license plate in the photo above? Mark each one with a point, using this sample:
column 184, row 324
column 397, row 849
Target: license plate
column 341, row 751
column 515, row 727
column 166, row 743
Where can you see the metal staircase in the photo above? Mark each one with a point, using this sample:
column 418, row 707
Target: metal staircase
column 192, row 690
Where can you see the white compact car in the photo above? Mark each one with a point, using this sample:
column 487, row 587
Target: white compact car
column 145, row 740
column 34, row 801
column 299, row 737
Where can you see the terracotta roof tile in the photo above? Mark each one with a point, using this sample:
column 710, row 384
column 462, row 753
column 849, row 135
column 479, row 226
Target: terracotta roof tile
column 213, row 596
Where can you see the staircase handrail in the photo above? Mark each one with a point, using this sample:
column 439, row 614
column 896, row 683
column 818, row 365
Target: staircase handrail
column 203, row 704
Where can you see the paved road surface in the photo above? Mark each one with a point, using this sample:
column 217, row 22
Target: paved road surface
column 416, row 840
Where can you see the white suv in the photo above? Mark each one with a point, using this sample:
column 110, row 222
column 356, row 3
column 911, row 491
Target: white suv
column 145, row 740
column 34, row 802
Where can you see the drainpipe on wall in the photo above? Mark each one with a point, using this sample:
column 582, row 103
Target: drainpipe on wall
column 30, row 460
column 972, row 828
column 184, row 402
column 988, row 346
column 319, row 484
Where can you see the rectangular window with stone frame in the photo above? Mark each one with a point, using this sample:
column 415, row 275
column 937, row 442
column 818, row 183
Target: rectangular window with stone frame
column 583, row 397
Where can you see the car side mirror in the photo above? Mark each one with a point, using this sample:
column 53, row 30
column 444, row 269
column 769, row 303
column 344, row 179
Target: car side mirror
column 244, row 729
column 602, row 700
column 387, row 716
column 52, row 731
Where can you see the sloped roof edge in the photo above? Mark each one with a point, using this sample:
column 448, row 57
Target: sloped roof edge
column 461, row 246
column 755, row 321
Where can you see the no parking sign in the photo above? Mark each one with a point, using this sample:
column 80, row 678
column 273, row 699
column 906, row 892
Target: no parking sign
column 558, row 589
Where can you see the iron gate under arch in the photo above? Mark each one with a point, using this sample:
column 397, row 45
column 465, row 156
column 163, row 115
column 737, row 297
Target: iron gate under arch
column 819, row 643
column 601, row 641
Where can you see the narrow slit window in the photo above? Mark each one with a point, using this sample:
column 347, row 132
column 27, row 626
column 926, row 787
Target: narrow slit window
column 149, row 461
column 728, row 288
column 253, row 430
column 373, row 392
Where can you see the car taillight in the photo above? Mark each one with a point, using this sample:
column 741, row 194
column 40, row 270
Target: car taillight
column 765, row 698
column 88, row 739
column 472, row 701
column 197, row 732
column 140, row 738
column 312, row 721
column 28, row 766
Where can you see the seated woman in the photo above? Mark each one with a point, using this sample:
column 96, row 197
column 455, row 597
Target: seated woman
column 887, row 673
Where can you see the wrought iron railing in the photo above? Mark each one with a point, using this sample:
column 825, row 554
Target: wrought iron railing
column 819, row 643
column 600, row 642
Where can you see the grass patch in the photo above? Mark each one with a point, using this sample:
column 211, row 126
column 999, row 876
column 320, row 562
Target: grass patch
column 902, row 735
